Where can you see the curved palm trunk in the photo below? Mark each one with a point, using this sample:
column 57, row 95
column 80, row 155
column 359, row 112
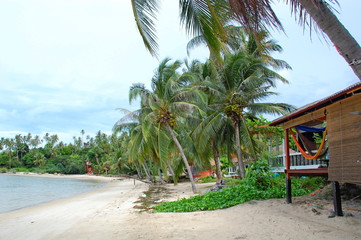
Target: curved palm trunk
column 345, row 44
column 239, row 151
column 218, row 164
column 194, row 189
column 149, row 177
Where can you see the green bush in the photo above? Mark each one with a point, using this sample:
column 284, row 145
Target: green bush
column 232, row 181
column 51, row 168
column 21, row 169
column 259, row 184
column 207, row 179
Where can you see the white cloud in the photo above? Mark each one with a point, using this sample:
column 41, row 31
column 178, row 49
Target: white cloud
column 66, row 65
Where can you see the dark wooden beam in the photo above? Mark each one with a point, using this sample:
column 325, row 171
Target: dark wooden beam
column 310, row 172
column 320, row 113
column 337, row 206
column 288, row 165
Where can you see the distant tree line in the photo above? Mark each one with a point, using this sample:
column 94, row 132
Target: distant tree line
column 48, row 154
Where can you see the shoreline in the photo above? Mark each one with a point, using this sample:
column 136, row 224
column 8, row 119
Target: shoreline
column 110, row 213
column 69, row 176
column 96, row 182
column 57, row 219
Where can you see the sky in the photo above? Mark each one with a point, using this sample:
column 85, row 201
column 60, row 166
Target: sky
column 67, row 65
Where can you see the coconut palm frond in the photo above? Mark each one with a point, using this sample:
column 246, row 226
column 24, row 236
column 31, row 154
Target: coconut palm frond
column 145, row 12
column 255, row 15
column 195, row 42
column 270, row 108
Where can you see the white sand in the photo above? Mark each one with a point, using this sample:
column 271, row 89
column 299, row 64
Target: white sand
column 85, row 216
column 108, row 213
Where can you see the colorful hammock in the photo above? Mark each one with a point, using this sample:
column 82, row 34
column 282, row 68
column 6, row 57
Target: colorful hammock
column 303, row 152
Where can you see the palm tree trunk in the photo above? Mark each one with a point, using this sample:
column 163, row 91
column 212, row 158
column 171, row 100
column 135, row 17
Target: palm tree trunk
column 344, row 42
column 175, row 180
column 184, row 158
column 147, row 173
column 239, row 151
column 139, row 172
column 218, row 164
column 161, row 176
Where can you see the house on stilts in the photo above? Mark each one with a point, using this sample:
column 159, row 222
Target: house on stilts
column 340, row 114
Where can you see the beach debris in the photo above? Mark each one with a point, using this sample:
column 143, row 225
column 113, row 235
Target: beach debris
column 332, row 214
column 143, row 195
column 348, row 214
column 216, row 188
column 315, row 211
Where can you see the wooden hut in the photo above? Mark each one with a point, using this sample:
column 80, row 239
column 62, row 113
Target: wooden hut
column 342, row 114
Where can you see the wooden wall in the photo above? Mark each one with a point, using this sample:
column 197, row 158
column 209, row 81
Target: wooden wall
column 344, row 139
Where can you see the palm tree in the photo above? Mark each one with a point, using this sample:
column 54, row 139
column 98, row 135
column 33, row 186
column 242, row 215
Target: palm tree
column 82, row 132
column 207, row 18
column 9, row 144
column 197, row 75
column 166, row 110
column 36, row 141
column 141, row 148
column 244, row 81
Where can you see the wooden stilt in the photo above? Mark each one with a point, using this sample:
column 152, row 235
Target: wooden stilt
column 288, row 190
column 337, row 199
column 288, row 166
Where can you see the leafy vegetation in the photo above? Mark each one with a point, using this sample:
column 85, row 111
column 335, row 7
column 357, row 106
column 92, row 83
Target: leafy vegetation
column 207, row 179
column 204, row 112
column 259, row 184
column 49, row 155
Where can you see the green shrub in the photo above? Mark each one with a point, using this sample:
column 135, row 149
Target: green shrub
column 20, row 169
column 232, row 181
column 259, row 184
column 51, row 168
column 207, row 179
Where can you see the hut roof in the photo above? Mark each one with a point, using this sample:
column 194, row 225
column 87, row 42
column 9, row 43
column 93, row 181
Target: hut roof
column 318, row 104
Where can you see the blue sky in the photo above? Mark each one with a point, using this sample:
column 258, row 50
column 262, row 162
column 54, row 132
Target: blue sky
column 66, row 65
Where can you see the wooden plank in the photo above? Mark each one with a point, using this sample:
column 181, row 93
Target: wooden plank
column 305, row 118
column 307, row 172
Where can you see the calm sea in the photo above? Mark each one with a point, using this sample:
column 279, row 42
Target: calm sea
column 23, row 191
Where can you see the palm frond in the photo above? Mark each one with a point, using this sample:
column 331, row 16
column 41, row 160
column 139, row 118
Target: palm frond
column 270, row 108
column 195, row 42
column 247, row 138
column 255, row 14
column 163, row 145
column 137, row 90
column 145, row 14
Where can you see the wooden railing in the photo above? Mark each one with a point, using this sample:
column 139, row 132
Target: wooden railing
column 297, row 162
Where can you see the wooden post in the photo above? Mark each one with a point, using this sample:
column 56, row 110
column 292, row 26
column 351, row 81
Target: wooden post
column 288, row 166
column 337, row 199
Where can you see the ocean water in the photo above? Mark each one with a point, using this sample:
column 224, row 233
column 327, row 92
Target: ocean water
column 24, row 191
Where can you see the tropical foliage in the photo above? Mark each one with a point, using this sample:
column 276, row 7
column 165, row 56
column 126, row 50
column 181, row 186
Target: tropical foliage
column 204, row 112
column 49, row 155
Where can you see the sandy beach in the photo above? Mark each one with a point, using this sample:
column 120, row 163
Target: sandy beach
column 111, row 213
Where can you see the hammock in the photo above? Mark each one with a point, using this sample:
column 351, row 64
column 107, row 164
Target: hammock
column 303, row 152
column 309, row 129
